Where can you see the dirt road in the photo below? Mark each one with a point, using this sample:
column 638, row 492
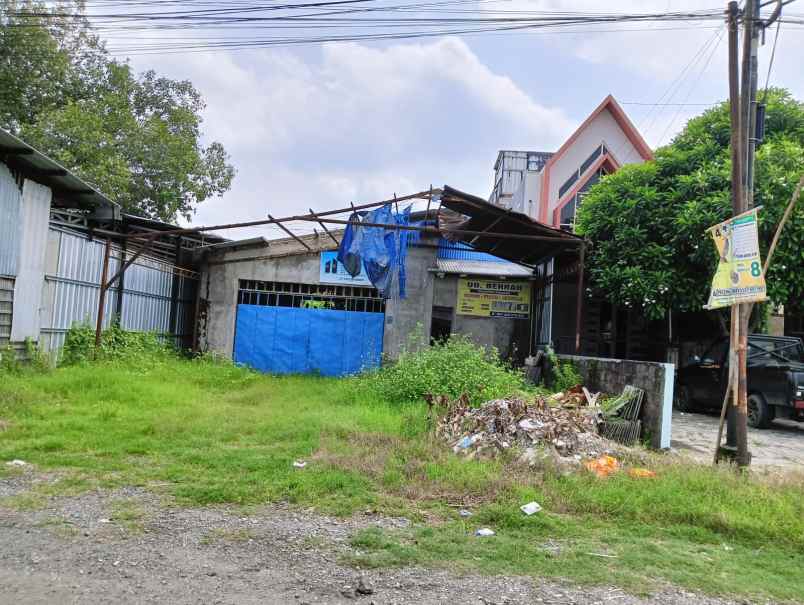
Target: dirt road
column 126, row 546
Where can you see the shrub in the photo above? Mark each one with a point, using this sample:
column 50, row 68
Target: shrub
column 564, row 373
column 451, row 367
column 116, row 344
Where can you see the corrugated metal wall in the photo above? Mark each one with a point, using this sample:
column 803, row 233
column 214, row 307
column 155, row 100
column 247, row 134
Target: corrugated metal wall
column 72, row 284
column 460, row 251
column 34, row 220
column 6, row 300
column 10, row 197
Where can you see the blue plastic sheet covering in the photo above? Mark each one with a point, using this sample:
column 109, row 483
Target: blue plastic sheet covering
column 288, row 340
column 382, row 251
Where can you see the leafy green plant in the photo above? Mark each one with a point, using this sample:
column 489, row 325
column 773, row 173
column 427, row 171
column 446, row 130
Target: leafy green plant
column 116, row 344
column 318, row 304
column 450, row 367
column 8, row 359
column 38, row 360
column 564, row 373
column 647, row 222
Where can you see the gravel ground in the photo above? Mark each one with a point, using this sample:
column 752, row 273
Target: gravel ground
column 128, row 546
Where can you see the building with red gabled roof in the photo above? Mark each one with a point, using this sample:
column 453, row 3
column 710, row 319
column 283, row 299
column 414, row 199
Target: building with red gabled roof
column 549, row 186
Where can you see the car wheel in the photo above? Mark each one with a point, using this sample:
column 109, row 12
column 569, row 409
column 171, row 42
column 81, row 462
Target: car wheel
column 682, row 401
column 760, row 414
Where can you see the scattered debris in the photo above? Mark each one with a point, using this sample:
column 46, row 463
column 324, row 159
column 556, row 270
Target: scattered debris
column 601, row 554
column 104, row 521
column 641, row 473
column 16, row 462
column 465, row 513
column 603, row 466
column 621, row 423
column 569, row 433
column 484, row 532
column 591, row 400
column 573, row 397
column 299, row 463
column 363, row 588
column 530, row 508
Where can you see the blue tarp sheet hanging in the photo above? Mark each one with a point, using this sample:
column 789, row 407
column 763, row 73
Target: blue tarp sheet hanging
column 383, row 251
column 288, row 340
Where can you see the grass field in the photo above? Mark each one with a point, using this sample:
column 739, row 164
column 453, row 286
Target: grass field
column 210, row 433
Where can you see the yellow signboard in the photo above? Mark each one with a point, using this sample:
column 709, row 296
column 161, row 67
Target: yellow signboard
column 739, row 277
column 493, row 298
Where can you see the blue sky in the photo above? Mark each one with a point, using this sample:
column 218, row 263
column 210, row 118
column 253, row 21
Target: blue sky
column 321, row 126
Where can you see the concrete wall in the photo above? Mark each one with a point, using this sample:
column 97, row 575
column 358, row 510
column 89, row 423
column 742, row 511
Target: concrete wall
column 220, row 285
column 611, row 376
column 509, row 336
column 407, row 321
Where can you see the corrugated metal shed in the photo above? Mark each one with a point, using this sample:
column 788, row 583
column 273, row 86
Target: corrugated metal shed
column 34, row 218
column 474, row 267
column 6, row 301
column 10, row 195
column 68, row 189
column 73, row 281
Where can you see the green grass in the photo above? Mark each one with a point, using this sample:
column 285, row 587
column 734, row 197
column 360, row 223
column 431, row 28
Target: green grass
column 209, row 433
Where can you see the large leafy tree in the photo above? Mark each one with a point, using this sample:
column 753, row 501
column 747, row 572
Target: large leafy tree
column 647, row 222
column 135, row 137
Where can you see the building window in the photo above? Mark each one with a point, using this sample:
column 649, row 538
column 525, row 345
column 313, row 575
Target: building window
column 599, row 150
column 569, row 211
column 283, row 294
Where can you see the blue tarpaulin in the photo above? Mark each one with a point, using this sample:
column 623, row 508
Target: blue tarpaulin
column 383, row 251
column 289, row 340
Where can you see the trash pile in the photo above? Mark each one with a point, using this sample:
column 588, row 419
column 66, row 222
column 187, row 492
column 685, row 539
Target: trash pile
column 565, row 433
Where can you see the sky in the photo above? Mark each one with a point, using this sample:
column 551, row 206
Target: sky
column 322, row 126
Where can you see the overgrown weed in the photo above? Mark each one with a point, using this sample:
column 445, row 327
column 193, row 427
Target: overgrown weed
column 450, row 367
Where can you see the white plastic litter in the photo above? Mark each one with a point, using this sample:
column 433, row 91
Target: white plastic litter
column 530, row 508
column 465, row 513
column 16, row 463
column 299, row 464
column 484, row 532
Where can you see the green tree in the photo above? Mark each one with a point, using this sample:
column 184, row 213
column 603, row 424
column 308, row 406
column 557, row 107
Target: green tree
column 647, row 222
column 136, row 138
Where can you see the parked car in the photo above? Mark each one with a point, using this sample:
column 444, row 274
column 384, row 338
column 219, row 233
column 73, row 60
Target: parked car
column 775, row 379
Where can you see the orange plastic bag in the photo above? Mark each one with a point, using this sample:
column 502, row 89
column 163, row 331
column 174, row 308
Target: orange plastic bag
column 641, row 473
column 603, row 466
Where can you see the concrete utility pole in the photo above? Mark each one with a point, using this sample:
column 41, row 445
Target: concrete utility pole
column 743, row 146
column 736, row 202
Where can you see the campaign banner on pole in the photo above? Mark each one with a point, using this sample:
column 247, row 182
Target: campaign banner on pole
column 493, row 298
column 739, row 277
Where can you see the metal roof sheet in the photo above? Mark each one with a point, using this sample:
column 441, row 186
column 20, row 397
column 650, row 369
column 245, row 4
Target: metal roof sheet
column 479, row 267
column 523, row 240
column 68, row 190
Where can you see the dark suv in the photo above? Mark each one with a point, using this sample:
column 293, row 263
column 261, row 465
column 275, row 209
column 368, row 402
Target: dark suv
column 775, row 379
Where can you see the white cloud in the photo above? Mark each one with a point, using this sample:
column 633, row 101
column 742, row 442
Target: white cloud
column 359, row 123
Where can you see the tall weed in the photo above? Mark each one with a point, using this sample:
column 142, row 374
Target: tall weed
column 116, row 344
column 451, row 367
column 564, row 373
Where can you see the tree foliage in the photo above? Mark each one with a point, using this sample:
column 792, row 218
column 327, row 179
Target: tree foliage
column 137, row 138
column 647, row 222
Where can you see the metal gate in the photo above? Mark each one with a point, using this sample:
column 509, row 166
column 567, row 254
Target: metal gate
column 308, row 329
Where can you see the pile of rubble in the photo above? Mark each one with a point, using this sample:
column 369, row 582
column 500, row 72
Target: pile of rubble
column 565, row 433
